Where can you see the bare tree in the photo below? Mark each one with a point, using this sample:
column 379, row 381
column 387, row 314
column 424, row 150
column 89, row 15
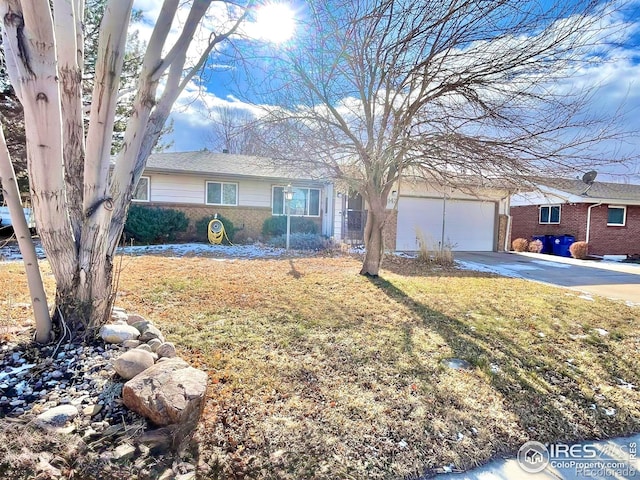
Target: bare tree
column 80, row 201
column 235, row 131
column 382, row 89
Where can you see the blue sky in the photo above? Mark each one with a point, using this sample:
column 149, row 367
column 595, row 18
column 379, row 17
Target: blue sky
column 619, row 82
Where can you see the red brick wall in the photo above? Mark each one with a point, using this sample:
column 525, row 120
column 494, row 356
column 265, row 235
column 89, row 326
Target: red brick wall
column 614, row 240
column 247, row 220
column 573, row 221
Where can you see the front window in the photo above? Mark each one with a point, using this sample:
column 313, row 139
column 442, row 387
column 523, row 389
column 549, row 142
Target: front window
column 141, row 193
column 550, row 214
column 219, row 193
column 616, row 216
column 305, row 202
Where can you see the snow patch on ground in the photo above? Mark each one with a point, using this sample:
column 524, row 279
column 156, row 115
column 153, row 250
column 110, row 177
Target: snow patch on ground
column 551, row 264
column 186, row 249
column 504, row 270
column 11, row 252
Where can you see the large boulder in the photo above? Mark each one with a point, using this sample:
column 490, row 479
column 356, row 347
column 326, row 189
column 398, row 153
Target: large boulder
column 168, row 393
column 132, row 362
column 112, row 333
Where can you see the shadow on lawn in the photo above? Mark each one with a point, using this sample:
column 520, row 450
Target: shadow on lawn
column 294, row 272
column 537, row 386
column 412, row 267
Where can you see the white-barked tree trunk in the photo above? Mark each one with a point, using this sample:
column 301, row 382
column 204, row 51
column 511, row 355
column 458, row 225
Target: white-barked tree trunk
column 79, row 197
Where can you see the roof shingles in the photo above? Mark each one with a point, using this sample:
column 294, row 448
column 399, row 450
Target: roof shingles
column 206, row 162
column 598, row 190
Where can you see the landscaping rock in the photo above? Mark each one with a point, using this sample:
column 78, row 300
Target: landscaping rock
column 134, row 318
column 131, row 343
column 56, row 417
column 142, row 325
column 157, row 440
column 124, row 452
column 149, row 333
column 167, row 350
column 118, row 333
column 118, row 315
column 154, row 343
column 145, row 347
column 133, row 362
column 170, row 392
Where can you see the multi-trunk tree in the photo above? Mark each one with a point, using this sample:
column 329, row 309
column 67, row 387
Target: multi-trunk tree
column 79, row 194
column 378, row 90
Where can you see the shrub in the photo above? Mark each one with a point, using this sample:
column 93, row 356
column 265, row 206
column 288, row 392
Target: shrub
column 579, row 250
column 520, row 245
column 536, row 246
column 154, row 225
column 300, row 241
column 202, row 226
column 277, row 225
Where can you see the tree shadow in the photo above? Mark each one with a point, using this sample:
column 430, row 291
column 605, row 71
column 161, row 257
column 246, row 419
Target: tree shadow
column 535, row 384
column 294, row 272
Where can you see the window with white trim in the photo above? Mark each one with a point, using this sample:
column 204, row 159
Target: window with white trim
column 141, row 193
column 305, row 202
column 549, row 214
column 221, row 193
column 616, row 216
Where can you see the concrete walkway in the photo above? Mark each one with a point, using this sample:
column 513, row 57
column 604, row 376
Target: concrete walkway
column 620, row 281
column 608, row 459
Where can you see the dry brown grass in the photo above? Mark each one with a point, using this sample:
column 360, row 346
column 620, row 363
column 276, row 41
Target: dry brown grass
column 317, row 372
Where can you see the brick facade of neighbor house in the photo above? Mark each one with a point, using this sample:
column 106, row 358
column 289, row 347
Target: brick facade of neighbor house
column 603, row 239
column 246, row 220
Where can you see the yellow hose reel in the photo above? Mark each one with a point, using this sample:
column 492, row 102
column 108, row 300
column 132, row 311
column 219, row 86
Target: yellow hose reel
column 216, row 232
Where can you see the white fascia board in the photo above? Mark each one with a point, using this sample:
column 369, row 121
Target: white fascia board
column 552, row 196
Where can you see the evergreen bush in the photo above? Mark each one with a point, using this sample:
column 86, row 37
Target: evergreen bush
column 153, row 224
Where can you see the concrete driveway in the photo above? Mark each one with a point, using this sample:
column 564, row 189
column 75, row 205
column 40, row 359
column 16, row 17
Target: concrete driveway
column 615, row 280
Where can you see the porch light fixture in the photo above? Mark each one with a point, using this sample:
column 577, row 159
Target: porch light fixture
column 288, row 196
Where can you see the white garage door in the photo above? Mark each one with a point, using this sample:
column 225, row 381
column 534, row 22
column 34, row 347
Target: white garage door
column 469, row 225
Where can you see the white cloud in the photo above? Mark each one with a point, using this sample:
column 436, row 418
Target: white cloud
column 617, row 78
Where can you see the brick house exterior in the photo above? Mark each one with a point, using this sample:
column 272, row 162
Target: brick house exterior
column 183, row 180
column 606, row 215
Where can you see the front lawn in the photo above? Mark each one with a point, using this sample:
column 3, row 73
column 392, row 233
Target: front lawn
column 318, row 372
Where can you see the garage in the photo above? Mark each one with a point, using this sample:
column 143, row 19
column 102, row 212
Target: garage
column 469, row 225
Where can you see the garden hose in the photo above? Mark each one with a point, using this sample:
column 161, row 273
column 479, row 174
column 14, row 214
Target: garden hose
column 216, row 232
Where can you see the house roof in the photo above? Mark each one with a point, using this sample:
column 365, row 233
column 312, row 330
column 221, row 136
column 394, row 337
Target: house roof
column 597, row 192
column 224, row 164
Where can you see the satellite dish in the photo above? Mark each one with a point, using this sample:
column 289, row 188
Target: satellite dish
column 589, row 177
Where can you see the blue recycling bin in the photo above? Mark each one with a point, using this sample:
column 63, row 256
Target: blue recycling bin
column 561, row 244
column 547, row 243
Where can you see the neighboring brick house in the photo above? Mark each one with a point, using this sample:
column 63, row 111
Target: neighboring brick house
column 245, row 189
column 605, row 215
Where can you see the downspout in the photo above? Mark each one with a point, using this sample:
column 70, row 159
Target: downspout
column 589, row 220
column 507, row 231
column 444, row 218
